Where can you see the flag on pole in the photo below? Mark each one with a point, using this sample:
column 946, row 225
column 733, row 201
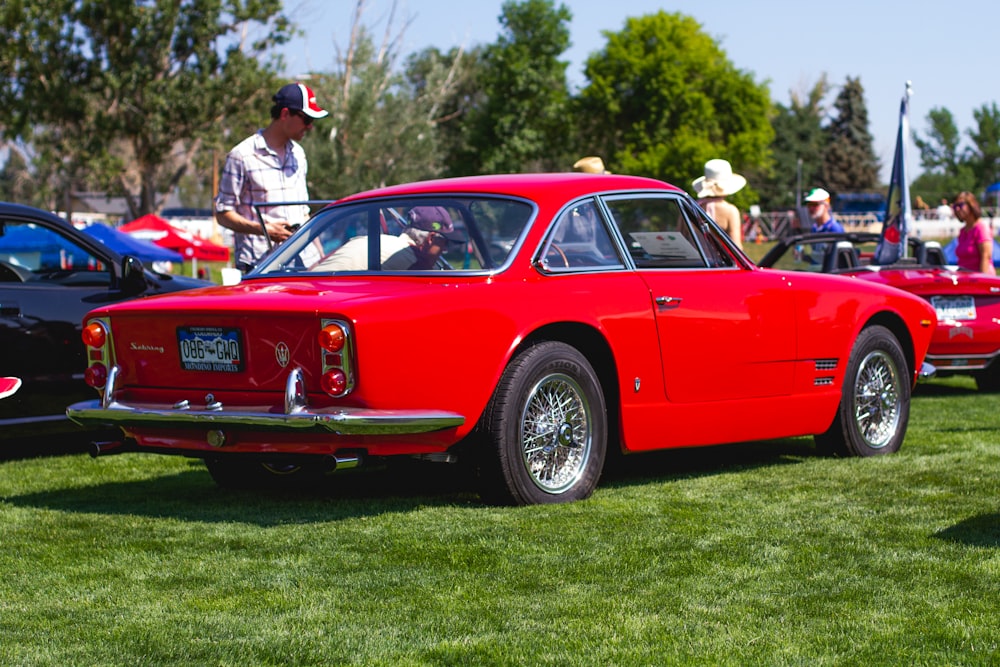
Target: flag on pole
column 892, row 246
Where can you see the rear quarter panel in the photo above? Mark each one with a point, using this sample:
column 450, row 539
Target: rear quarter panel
column 420, row 343
column 448, row 348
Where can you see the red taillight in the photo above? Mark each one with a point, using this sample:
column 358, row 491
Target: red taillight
column 96, row 376
column 334, row 382
column 332, row 337
column 335, row 339
column 94, row 335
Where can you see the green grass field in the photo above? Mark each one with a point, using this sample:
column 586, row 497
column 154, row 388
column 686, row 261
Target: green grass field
column 756, row 554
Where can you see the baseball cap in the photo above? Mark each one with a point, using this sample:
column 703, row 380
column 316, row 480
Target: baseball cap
column 817, row 194
column 298, row 97
column 434, row 219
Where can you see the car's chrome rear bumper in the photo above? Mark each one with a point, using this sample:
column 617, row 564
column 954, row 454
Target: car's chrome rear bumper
column 295, row 417
column 961, row 363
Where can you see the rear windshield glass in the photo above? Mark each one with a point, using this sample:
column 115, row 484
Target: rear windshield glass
column 405, row 234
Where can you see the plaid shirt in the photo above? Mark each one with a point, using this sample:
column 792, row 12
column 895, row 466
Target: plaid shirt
column 253, row 174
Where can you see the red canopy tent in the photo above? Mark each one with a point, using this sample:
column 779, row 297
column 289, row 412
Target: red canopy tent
column 153, row 228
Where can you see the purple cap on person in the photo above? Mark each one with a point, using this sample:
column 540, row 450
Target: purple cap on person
column 434, row 219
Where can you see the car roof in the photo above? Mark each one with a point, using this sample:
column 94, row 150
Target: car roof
column 23, row 210
column 91, row 243
column 532, row 186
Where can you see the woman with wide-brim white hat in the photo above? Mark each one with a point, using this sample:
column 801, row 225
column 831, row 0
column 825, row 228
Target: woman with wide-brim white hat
column 712, row 189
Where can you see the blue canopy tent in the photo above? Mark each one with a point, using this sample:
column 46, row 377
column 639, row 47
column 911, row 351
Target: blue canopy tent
column 995, row 191
column 126, row 244
column 36, row 247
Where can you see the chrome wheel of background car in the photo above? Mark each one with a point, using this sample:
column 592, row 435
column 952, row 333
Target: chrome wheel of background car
column 547, row 429
column 875, row 403
column 555, row 433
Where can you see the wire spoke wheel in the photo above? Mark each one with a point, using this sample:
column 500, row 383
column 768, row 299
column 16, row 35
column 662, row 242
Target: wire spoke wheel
column 556, row 433
column 546, row 429
column 874, row 410
column 877, row 401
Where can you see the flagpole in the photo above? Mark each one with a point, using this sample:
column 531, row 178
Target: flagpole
column 892, row 245
column 907, row 211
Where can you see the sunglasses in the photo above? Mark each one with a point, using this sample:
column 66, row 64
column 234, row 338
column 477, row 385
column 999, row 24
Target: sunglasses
column 957, row 205
column 306, row 120
column 438, row 239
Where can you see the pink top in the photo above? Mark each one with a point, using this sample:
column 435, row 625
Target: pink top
column 969, row 239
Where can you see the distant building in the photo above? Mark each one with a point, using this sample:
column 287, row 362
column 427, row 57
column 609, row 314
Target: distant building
column 115, row 208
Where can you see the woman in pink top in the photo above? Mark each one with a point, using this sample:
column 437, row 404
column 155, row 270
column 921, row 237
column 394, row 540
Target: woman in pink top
column 975, row 240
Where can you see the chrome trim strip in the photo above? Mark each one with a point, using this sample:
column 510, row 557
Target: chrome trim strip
column 109, row 387
column 295, row 392
column 340, row 421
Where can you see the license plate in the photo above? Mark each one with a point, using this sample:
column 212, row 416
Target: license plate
column 954, row 307
column 218, row 349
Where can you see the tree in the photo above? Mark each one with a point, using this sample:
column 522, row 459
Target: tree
column 522, row 119
column 946, row 170
column 797, row 148
column 939, row 150
column 662, row 99
column 127, row 92
column 849, row 161
column 383, row 123
column 16, row 183
column 451, row 83
column 984, row 158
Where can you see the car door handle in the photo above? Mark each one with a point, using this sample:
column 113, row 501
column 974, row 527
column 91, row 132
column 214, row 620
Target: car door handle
column 10, row 310
column 668, row 301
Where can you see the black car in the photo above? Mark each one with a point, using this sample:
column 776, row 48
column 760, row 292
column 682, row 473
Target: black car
column 51, row 275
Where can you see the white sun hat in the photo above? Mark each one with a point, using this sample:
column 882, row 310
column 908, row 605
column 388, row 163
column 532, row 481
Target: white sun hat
column 718, row 181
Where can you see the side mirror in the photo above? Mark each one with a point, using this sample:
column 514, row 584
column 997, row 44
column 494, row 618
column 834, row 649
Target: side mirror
column 133, row 276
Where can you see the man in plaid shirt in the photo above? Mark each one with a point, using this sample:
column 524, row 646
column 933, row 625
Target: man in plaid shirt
column 269, row 166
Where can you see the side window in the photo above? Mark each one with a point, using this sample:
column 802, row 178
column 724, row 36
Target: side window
column 711, row 238
column 31, row 252
column 580, row 239
column 656, row 232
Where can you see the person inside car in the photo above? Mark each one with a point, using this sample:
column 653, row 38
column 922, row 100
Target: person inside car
column 419, row 246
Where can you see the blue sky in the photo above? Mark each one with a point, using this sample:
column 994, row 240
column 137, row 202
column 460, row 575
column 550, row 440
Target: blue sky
column 947, row 49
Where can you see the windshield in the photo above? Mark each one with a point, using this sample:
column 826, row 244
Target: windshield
column 455, row 232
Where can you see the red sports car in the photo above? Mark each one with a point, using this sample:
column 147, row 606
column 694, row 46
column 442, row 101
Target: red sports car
column 967, row 339
column 523, row 323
